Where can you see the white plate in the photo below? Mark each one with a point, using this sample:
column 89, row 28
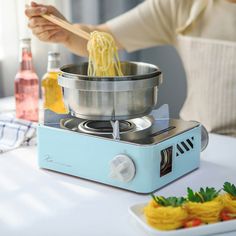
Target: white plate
column 136, row 211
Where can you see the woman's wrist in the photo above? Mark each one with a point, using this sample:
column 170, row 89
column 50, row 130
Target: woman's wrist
column 76, row 44
column 67, row 40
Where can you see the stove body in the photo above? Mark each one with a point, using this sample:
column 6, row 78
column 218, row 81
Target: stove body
column 170, row 151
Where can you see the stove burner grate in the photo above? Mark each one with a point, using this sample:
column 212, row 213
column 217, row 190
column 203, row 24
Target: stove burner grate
column 104, row 127
column 134, row 129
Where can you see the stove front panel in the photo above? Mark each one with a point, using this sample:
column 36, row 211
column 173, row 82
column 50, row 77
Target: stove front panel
column 138, row 168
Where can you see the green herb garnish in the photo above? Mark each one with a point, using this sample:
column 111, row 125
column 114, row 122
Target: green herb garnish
column 170, row 201
column 204, row 195
column 230, row 188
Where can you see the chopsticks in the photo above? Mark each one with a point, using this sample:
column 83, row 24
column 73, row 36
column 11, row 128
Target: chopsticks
column 66, row 25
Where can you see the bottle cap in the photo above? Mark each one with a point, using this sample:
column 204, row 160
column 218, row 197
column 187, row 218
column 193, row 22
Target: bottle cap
column 52, row 56
column 53, row 60
column 25, row 39
column 25, row 42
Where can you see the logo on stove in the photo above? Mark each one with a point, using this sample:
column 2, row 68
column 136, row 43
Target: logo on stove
column 47, row 158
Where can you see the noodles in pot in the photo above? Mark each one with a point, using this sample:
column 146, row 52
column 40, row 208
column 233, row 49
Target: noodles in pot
column 103, row 55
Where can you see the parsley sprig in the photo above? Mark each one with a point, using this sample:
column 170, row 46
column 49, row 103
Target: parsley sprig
column 170, row 201
column 204, row 195
column 230, row 188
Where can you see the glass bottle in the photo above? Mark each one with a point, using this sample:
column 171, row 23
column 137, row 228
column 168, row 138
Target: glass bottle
column 52, row 92
column 26, row 85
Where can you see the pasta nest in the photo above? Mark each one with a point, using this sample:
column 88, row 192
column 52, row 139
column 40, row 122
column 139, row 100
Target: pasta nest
column 229, row 202
column 207, row 212
column 164, row 217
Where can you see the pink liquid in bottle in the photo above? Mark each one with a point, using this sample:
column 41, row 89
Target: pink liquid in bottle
column 26, row 86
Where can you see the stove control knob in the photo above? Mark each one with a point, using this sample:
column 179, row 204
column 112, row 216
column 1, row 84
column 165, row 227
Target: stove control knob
column 122, row 168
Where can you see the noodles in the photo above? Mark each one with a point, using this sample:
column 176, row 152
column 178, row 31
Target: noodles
column 164, row 218
column 229, row 202
column 103, row 55
column 229, row 198
column 207, row 212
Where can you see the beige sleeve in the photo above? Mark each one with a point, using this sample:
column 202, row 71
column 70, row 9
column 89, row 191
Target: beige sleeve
column 153, row 22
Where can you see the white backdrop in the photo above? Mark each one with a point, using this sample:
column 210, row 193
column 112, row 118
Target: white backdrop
column 13, row 26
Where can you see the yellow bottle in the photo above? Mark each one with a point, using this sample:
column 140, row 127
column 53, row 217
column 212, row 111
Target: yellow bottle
column 52, row 92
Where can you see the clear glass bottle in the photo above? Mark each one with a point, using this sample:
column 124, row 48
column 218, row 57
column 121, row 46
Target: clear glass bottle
column 52, row 92
column 26, row 85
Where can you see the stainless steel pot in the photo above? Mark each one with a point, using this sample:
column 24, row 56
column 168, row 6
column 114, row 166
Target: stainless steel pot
column 111, row 98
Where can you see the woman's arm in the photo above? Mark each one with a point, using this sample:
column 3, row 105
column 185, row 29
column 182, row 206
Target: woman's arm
column 49, row 32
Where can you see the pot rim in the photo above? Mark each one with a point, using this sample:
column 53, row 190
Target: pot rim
column 152, row 74
column 109, row 86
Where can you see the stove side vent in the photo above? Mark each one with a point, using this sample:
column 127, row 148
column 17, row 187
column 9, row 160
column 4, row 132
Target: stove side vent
column 184, row 146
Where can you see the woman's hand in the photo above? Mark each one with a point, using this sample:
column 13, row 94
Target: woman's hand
column 44, row 29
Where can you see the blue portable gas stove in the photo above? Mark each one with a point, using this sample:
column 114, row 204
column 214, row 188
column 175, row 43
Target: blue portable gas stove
column 165, row 151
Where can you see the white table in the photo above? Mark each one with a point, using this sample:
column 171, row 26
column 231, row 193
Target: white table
column 7, row 104
column 36, row 202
